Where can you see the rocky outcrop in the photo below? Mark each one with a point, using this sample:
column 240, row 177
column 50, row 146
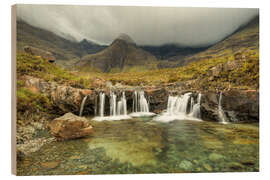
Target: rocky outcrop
column 157, row 98
column 70, row 126
column 238, row 105
column 65, row 98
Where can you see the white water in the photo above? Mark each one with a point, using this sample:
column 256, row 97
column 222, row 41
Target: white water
column 118, row 110
column 112, row 104
column 196, row 109
column 82, row 105
column 140, row 105
column 181, row 108
column 122, row 105
column 102, row 104
column 221, row 114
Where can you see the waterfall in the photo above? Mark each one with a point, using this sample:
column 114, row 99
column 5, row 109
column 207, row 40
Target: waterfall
column 101, row 103
column 112, row 104
column 196, row 109
column 118, row 109
column 178, row 104
column 221, row 114
column 82, row 105
column 122, row 105
column 181, row 108
column 140, row 105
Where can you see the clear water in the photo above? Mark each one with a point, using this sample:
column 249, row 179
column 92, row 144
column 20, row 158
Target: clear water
column 140, row 145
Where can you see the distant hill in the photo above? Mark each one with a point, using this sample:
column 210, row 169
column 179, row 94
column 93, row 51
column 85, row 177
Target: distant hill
column 244, row 39
column 122, row 55
column 61, row 48
column 167, row 51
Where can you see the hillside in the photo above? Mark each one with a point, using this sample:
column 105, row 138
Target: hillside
column 245, row 39
column 121, row 55
column 63, row 49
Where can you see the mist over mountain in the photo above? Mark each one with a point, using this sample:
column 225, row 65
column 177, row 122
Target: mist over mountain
column 152, row 26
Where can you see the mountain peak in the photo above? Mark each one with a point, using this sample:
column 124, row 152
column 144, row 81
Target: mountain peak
column 126, row 38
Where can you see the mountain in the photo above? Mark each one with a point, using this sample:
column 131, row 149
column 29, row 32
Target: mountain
column 245, row 39
column 63, row 49
column 167, row 51
column 122, row 55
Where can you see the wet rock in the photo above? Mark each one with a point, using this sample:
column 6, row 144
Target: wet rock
column 50, row 165
column 238, row 105
column 215, row 157
column 157, row 98
column 186, row 165
column 70, row 126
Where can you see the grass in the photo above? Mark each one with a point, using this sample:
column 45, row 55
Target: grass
column 38, row 67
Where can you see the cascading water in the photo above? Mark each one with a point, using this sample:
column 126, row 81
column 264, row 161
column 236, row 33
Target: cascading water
column 82, row 105
column 122, row 105
column 102, row 104
column 118, row 110
column 181, row 108
column 221, row 114
column 112, row 104
column 140, row 105
column 196, row 109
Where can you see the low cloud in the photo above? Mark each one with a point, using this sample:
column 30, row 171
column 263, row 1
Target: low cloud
column 145, row 25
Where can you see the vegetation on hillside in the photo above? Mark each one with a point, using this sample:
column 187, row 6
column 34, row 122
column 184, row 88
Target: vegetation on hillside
column 246, row 74
column 31, row 105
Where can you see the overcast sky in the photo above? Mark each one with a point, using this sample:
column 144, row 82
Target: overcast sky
column 145, row 25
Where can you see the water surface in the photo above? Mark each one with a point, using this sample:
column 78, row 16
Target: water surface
column 140, row 145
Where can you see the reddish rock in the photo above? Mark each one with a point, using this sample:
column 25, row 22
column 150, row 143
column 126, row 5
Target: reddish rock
column 70, row 126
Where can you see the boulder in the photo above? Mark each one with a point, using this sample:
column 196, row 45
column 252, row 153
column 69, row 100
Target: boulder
column 70, row 126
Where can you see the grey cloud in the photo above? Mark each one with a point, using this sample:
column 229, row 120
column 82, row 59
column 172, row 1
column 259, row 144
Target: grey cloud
column 145, row 25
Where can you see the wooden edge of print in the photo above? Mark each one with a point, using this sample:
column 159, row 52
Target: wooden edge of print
column 13, row 89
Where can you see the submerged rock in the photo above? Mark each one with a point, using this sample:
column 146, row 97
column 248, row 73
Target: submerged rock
column 215, row 157
column 186, row 165
column 50, row 165
column 70, row 126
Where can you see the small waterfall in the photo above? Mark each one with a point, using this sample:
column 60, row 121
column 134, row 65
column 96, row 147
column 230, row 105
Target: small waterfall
column 82, row 105
column 181, row 108
column 122, row 105
column 140, row 105
column 178, row 104
column 191, row 104
column 221, row 114
column 102, row 104
column 112, row 104
column 118, row 110
column 196, row 110
column 143, row 102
